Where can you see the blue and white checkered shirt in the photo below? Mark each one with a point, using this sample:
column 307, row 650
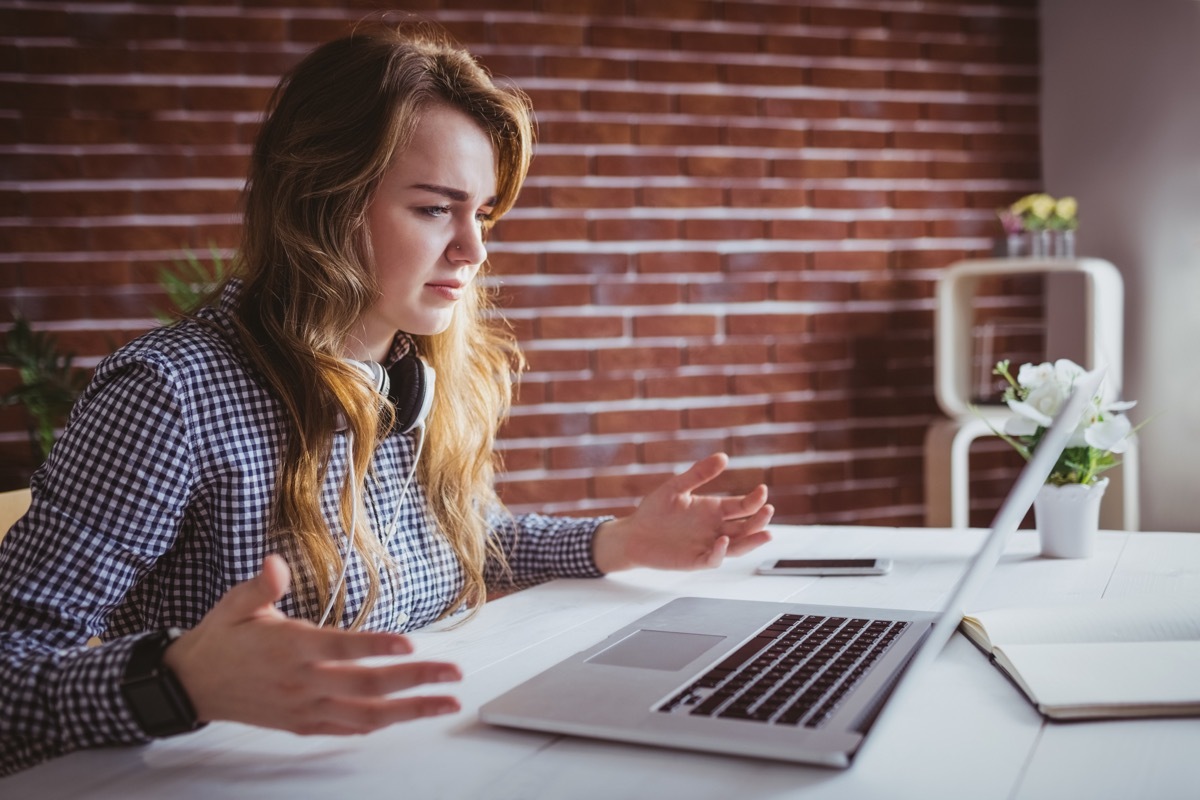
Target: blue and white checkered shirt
column 155, row 502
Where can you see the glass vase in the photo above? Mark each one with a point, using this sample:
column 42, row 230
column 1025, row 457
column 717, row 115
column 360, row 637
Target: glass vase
column 1039, row 244
column 1064, row 244
column 1014, row 245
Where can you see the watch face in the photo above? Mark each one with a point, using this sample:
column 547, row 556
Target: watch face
column 149, row 705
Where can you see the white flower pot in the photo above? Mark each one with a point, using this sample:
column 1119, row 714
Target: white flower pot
column 1068, row 518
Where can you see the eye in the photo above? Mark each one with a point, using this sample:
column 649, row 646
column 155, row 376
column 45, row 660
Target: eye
column 435, row 211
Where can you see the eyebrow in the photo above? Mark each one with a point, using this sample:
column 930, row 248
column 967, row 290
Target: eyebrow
column 457, row 195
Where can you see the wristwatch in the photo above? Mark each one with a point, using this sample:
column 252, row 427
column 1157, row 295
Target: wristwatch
column 155, row 696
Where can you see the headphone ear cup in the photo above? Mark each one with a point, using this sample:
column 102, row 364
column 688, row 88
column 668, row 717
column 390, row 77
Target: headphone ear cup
column 411, row 391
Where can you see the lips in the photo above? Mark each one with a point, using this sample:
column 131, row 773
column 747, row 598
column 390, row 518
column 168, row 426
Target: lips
column 448, row 289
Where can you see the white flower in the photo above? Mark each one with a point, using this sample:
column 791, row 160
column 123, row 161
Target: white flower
column 1038, row 394
column 1109, row 434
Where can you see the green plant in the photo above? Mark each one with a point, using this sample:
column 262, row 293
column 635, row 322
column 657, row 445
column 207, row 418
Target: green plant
column 188, row 281
column 49, row 382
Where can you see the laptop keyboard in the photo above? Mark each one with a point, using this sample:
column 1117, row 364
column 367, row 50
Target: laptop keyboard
column 796, row 671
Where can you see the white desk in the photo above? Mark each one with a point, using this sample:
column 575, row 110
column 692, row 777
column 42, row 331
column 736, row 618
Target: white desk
column 958, row 730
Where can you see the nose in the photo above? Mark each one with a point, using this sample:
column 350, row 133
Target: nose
column 467, row 247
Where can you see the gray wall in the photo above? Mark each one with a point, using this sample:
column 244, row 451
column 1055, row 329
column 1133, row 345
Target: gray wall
column 1121, row 132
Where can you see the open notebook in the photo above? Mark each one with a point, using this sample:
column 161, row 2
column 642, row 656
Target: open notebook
column 774, row 680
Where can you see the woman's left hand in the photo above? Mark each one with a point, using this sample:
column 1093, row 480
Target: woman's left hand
column 673, row 528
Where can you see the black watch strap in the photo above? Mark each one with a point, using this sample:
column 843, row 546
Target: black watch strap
column 154, row 695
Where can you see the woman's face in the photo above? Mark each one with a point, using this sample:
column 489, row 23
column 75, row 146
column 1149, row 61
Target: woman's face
column 425, row 227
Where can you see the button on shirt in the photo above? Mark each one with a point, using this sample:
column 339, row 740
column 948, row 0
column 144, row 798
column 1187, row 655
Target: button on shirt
column 155, row 502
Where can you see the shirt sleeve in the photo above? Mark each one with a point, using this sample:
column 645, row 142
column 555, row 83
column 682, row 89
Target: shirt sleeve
column 107, row 504
column 538, row 548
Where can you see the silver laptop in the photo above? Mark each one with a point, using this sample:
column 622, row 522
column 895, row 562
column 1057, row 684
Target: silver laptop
column 772, row 680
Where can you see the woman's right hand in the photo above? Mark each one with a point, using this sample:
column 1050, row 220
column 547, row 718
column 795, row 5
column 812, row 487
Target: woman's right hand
column 247, row 662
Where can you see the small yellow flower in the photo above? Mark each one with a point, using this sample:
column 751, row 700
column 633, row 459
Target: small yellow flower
column 1066, row 209
column 1042, row 206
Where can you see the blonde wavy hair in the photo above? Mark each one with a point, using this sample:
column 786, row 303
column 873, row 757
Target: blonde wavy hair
column 335, row 123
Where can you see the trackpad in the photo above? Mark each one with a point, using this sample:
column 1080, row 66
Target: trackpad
column 665, row 650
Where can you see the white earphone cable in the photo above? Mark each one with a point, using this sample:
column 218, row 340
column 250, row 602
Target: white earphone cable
column 391, row 532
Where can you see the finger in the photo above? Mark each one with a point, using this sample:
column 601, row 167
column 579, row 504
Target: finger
column 366, row 682
column 745, row 505
column 358, row 716
column 751, row 541
column 753, row 524
column 699, row 473
column 257, row 595
column 335, row 644
column 717, row 554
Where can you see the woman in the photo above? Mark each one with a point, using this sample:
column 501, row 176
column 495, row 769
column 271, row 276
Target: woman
column 238, row 511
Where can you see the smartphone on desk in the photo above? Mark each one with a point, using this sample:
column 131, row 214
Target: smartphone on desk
column 825, row 566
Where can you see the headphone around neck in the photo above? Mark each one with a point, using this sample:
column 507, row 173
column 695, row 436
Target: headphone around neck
column 408, row 385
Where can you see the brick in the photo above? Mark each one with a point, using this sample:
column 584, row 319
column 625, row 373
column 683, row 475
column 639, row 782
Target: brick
column 545, row 164
column 846, row 17
column 724, row 354
column 626, row 359
column 809, row 168
column 241, row 28
column 683, row 135
column 680, row 261
column 768, row 324
column 801, row 108
column 889, row 229
column 891, row 168
column 514, row 459
column 575, row 327
column 637, row 165
column 871, row 47
column 775, row 14
column 536, row 425
column 755, row 75
column 768, row 197
column 674, row 325
column 626, row 36
column 724, row 167
column 772, row 382
column 588, row 196
column 846, row 138
column 770, row 444
column 687, row 386
column 691, row 449
column 545, row 296
column 541, row 34
column 586, row 263
column 80, row 203
column 540, row 491
column 628, row 484
column 848, row 78
column 608, row 69
column 640, row 293
column 551, row 361
column 624, row 102
column 848, row 198
column 926, row 81
column 676, row 9
column 681, row 196
column 564, row 390
column 729, row 229
column 640, row 421
column 593, row 456
column 809, row 229
column 727, row 292
column 728, row 414
column 768, row 262
column 585, row 132
column 512, row 229
column 763, row 136
column 607, row 230
column 725, row 105
column 794, row 45
column 814, row 291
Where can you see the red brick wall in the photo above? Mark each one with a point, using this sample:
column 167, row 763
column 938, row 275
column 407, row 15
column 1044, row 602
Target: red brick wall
column 729, row 239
